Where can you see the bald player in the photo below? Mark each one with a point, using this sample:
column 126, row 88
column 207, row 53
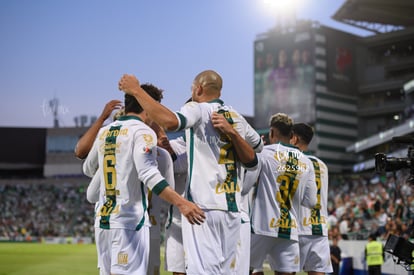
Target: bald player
column 215, row 160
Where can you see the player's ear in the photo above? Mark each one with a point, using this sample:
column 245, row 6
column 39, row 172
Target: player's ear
column 271, row 133
column 293, row 140
column 199, row 90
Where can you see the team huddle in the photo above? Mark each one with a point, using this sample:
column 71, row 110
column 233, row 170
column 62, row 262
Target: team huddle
column 233, row 202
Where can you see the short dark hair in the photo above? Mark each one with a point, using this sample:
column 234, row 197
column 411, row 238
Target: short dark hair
column 304, row 131
column 132, row 105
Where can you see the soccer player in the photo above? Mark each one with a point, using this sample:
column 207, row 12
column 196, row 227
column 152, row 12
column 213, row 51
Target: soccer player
column 284, row 183
column 315, row 257
column 82, row 149
column 242, row 259
column 126, row 152
column 214, row 171
column 156, row 206
column 174, row 249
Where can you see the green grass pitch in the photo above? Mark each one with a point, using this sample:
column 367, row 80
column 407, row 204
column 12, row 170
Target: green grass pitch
column 44, row 259
column 52, row 259
column 48, row 259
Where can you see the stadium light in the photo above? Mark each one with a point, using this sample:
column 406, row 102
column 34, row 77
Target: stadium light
column 282, row 6
column 283, row 10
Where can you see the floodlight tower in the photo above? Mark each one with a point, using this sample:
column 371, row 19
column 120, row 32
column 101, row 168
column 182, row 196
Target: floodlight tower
column 54, row 107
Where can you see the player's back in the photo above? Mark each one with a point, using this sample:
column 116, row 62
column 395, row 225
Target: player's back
column 180, row 173
column 283, row 175
column 315, row 221
column 214, row 172
column 127, row 155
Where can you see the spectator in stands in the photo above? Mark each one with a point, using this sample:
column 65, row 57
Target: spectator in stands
column 381, row 219
column 359, row 228
column 332, row 219
column 339, row 206
column 27, row 217
column 344, row 226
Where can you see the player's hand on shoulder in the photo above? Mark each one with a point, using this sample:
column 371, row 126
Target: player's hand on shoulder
column 221, row 124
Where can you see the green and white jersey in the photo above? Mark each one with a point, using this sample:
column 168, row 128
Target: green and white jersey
column 284, row 184
column 213, row 171
column 315, row 221
column 156, row 205
column 180, row 175
column 127, row 154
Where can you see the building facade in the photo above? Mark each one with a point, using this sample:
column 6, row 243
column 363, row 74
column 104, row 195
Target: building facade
column 349, row 88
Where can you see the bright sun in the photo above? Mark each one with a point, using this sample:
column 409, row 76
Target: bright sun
column 282, row 7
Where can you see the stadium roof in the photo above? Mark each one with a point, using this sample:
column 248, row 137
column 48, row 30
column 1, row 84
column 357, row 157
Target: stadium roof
column 377, row 15
column 405, row 128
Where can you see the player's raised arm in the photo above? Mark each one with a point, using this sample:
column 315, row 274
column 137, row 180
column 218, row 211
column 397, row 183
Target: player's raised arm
column 92, row 192
column 85, row 143
column 159, row 113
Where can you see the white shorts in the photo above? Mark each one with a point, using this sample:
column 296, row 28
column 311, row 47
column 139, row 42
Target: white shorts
column 282, row 254
column 101, row 234
column 243, row 250
column 315, row 253
column 122, row 251
column 174, row 249
column 210, row 248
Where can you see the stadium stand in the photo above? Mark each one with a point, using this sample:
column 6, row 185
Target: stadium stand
column 33, row 209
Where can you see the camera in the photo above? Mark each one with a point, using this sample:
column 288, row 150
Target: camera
column 402, row 249
column 397, row 246
column 386, row 164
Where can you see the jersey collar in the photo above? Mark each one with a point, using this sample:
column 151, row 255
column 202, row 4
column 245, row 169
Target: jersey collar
column 217, row 100
column 123, row 118
column 308, row 153
column 286, row 144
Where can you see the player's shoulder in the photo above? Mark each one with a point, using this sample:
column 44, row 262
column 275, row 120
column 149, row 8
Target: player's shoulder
column 233, row 112
column 193, row 106
column 268, row 148
column 313, row 157
column 143, row 133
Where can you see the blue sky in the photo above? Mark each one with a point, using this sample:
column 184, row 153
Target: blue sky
column 76, row 51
